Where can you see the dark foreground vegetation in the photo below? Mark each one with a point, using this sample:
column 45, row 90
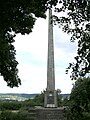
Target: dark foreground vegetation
column 79, row 102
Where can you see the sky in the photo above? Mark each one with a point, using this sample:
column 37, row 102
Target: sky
column 31, row 53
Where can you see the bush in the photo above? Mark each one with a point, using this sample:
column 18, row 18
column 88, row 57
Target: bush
column 10, row 105
column 79, row 108
column 9, row 115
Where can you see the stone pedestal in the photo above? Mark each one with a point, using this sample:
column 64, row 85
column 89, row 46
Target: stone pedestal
column 50, row 100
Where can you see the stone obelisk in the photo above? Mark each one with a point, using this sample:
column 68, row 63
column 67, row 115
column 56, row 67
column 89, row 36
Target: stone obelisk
column 50, row 99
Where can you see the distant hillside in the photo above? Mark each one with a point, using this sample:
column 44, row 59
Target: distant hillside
column 33, row 95
column 19, row 94
column 65, row 95
column 28, row 95
column 14, row 96
column 23, row 97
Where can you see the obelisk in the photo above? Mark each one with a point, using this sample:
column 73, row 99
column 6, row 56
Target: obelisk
column 50, row 99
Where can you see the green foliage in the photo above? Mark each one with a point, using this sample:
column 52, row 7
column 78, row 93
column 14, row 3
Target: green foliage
column 17, row 17
column 59, row 100
column 79, row 106
column 7, row 115
column 75, row 20
column 24, row 115
column 10, row 105
column 65, row 102
column 62, row 101
column 39, row 99
column 10, row 115
column 27, row 104
column 23, row 105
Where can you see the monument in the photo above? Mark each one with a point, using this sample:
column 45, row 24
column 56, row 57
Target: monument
column 50, row 111
column 50, row 99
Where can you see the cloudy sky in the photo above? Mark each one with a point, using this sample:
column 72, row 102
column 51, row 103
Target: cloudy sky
column 32, row 57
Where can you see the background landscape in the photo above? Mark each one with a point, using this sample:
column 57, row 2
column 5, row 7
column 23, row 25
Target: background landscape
column 21, row 97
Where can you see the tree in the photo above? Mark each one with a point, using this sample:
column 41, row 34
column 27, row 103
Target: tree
column 75, row 20
column 17, row 16
column 20, row 16
column 79, row 108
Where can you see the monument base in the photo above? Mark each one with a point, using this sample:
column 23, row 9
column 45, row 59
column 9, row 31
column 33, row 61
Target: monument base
column 47, row 113
column 50, row 99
